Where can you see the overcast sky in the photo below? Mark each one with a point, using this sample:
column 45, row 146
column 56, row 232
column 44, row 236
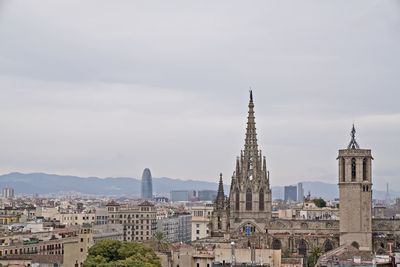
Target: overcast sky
column 108, row 88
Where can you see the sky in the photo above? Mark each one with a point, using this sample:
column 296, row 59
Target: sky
column 108, row 88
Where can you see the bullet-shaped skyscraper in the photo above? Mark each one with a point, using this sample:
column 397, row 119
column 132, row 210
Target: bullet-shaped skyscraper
column 147, row 185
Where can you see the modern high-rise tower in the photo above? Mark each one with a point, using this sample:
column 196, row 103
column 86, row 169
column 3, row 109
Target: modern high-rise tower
column 355, row 192
column 147, row 185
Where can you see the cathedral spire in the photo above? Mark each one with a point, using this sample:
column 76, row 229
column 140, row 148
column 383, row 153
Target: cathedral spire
column 353, row 143
column 220, row 200
column 250, row 145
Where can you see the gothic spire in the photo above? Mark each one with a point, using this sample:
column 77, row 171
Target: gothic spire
column 353, row 143
column 250, row 145
column 220, row 195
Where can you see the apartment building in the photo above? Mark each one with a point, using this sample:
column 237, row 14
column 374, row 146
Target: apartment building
column 138, row 221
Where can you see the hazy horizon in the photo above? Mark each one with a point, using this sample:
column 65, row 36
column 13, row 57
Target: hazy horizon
column 97, row 89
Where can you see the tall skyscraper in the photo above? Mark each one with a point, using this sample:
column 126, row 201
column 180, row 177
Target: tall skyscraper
column 8, row 192
column 147, row 185
column 300, row 192
column 291, row 193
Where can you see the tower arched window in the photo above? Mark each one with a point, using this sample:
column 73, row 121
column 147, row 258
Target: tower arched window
column 261, row 199
column 365, row 169
column 353, row 169
column 343, row 162
column 249, row 199
column 237, row 200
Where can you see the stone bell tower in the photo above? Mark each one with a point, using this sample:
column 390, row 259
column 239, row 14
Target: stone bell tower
column 355, row 192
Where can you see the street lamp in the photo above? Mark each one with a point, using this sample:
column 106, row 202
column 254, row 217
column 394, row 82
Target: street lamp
column 233, row 259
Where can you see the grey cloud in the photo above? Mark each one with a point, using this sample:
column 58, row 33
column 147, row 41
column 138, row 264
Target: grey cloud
column 94, row 88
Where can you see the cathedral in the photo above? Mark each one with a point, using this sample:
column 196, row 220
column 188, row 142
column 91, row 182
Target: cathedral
column 245, row 216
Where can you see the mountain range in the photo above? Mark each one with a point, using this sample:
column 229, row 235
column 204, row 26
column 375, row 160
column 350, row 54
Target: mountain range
column 47, row 184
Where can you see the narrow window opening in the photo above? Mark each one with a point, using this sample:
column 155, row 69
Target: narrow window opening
column 343, row 170
column 237, row 199
column 261, row 200
column 353, row 169
column 249, row 199
column 365, row 169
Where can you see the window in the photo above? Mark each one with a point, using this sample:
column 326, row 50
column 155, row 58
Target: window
column 237, row 199
column 343, row 162
column 365, row 169
column 261, row 200
column 198, row 232
column 353, row 169
column 197, row 225
column 249, row 196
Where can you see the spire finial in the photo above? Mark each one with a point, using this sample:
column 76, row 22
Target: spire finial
column 220, row 195
column 353, row 143
column 250, row 146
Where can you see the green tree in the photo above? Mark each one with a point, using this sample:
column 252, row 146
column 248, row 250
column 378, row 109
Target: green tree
column 159, row 243
column 112, row 253
column 319, row 202
column 314, row 255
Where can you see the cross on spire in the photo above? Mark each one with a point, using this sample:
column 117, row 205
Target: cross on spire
column 353, row 143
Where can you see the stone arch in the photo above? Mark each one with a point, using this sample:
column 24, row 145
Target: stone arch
column 381, row 251
column 328, row 245
column 281, row 225
column 255, row 227
column 396, row 245
column 291, row 244
column 302, row 247
column 276, row 244
column 355, row 244
column 304, row 225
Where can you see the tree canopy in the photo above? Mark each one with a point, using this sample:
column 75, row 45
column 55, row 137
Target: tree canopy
column 319, row 202
column 113, row 253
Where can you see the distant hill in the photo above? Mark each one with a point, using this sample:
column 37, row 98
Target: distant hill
column 44, row 184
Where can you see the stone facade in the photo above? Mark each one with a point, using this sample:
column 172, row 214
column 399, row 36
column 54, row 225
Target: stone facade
column 250, row 194
column 355, row 192
column 138, row 222
column 245, row 217
column 201, row 219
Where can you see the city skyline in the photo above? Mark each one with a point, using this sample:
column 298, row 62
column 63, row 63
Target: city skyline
column 109, row 99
